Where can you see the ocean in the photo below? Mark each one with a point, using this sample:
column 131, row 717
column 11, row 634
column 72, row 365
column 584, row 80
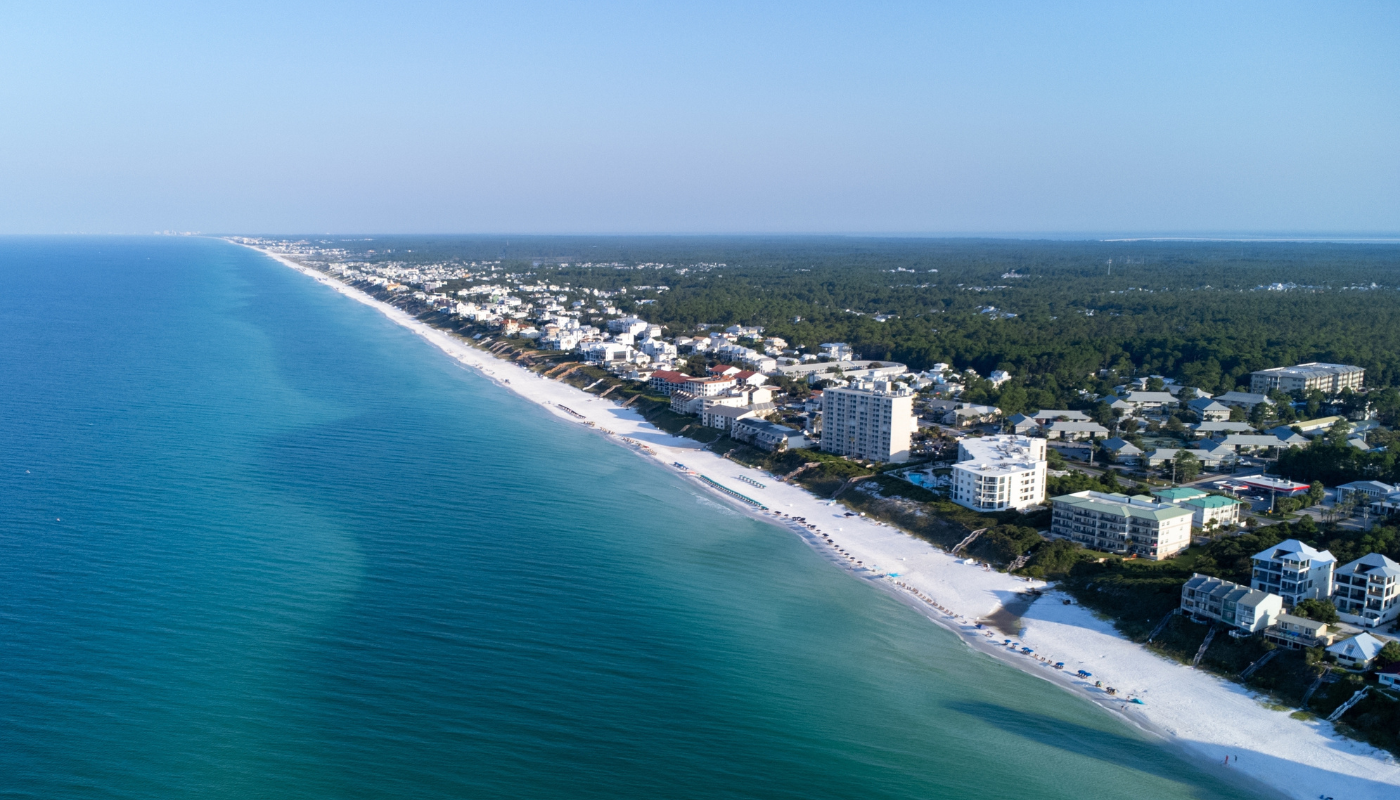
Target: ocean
column 258, row 541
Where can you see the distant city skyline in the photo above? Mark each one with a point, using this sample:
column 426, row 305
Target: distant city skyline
column 1087, row 119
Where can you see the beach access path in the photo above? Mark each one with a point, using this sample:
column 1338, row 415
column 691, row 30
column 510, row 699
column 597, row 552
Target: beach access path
column 1209, row 718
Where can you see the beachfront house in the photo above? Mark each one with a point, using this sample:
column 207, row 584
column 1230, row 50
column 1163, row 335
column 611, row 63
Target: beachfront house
column 722, row 415
column 1389, row 676
column 1357, row 652
column 1300, row 633
column 1294, row 571
column 1367, row 591
column 768, row 435
column 1207, row 598
column 1117, row 523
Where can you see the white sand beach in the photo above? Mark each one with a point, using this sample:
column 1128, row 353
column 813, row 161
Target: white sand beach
column 1209, row 718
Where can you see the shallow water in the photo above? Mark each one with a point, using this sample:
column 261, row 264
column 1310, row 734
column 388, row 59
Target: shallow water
column 257, row 541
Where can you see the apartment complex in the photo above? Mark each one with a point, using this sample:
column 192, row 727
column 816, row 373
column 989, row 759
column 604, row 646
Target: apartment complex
column 1204, row 597
column 1117, row 523
column 995, row 473
column 1294, row 571
column 1367, row 591
column 868, row 419
column 1213, row 511
column 1326, row 378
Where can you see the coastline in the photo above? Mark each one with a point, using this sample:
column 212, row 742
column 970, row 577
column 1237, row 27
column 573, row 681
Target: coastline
column 1205, row 717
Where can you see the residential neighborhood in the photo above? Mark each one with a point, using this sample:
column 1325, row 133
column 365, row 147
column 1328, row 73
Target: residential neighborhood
column 1149, row 472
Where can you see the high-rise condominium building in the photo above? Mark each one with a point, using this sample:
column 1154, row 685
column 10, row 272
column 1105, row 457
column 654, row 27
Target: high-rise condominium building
column 868, row 419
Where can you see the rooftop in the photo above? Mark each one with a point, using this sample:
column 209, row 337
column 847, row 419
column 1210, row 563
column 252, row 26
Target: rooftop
column 1139, row 506
column 1177, row 494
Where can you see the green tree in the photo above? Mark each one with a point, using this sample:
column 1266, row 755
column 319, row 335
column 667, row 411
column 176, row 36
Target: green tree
column 1237, row 414
column 1188, row 467
column 1388, row 654
column 1317, row 610
column 1155, row 384
column 1337, row 434
column 1316, row 493
column 1013, row 399
column 1102, row 414
column 1259, row 414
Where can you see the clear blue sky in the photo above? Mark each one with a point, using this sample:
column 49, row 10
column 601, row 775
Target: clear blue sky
column 700, row 117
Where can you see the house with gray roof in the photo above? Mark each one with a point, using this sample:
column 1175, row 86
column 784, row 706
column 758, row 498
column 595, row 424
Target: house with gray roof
column 1225, row 427
column 1210, row 459
column 1357, row 652
column 1145, row 402
column 1206, row 598
column 1245, row 400
column 1367, row 591
column 1365, row 491
column 1020, row 423
column 1209, row 410
column 1123, row 450
column 1298, row 633
column 767, row 435
column 1049, row 415
column 1244, row 443
column 1075, row 430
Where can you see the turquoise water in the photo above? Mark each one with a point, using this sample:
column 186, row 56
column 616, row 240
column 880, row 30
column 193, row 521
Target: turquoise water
column 257, row 541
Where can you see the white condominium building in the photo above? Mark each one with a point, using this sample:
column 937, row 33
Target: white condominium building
column 995, row 473
column 1117, row 523
column 868, row 419
column 1326, row 378
column 1368, row 591
column 1294, row 571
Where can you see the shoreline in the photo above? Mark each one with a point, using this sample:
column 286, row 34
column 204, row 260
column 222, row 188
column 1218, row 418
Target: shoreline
column 1202, row 716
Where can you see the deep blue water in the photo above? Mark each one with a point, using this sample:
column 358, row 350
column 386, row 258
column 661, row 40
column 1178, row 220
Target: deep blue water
column 256, row 541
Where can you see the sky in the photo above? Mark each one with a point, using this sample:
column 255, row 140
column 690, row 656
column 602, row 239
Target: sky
column 616, row 117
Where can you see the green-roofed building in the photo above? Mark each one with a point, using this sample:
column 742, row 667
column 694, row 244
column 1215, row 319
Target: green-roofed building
column 1213, row 511
column 1177, row 494
column 1117, row 523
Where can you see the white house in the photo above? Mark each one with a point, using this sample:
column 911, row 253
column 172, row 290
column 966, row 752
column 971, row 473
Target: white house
column 1294, row 571
column 1367, row 591
column 1357, row 652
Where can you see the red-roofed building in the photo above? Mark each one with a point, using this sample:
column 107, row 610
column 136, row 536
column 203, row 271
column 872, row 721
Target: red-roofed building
column 666, row 381
column 749, row 377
